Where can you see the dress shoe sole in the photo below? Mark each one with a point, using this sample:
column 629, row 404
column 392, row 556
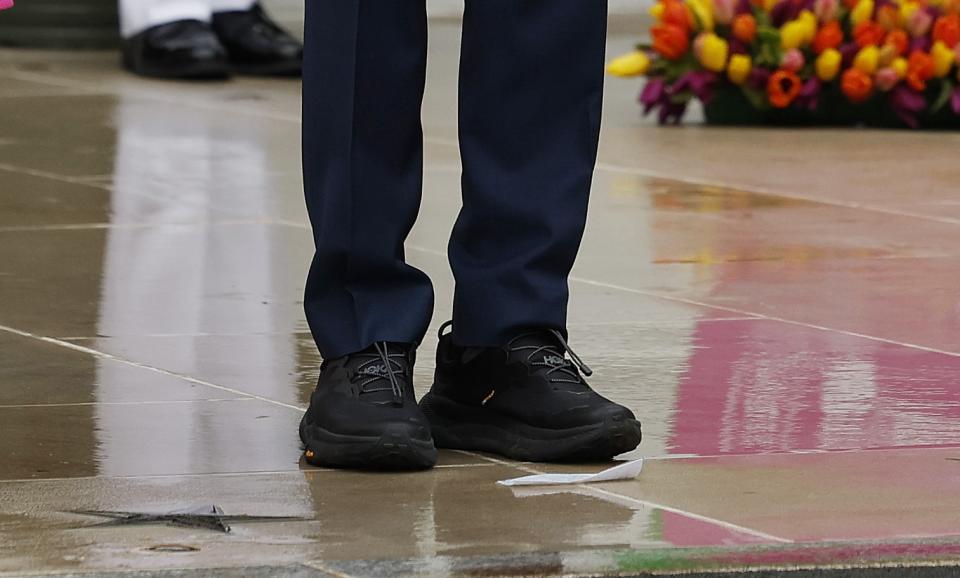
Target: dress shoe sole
column 286, row 69
column 393, row 450
column 463, row 427
column 200, row 70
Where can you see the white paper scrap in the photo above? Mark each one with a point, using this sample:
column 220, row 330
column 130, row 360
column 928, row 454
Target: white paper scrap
column 625, row 471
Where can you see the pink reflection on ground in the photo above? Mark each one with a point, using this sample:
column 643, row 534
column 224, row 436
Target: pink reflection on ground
column 762, row 386
column 680, row 530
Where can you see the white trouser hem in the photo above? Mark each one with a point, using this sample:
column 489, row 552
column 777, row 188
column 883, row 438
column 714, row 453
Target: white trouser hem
column 230, row 5
column 138, row 15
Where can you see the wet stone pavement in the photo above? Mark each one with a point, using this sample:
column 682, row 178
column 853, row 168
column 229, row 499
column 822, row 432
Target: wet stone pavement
column 780, row 307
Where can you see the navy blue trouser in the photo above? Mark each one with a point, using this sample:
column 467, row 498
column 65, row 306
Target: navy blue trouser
column 531, row 82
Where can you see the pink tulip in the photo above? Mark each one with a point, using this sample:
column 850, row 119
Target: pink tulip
column 724, row 10
column 886, row 79
column 4, row 4
column 919, row 22
column 698, row 45
column 793, row 60
column 826, row 10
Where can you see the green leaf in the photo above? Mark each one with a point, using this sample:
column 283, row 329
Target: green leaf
column 946, row 90
column 757, row 98
column 682, row 97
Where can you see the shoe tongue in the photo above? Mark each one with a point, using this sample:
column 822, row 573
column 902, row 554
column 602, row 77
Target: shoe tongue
column 525, row 348
column 372, row 373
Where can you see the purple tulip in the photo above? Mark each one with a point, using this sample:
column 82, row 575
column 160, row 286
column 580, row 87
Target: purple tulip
column 922, row 43
column 700, row 83
column 848, row 51
column 739, row 47
column 809, row 96
column 955, row 100
column 653, row 94
column 758, row 78
column 781, row 12
column 907, row 104
column 672, row 112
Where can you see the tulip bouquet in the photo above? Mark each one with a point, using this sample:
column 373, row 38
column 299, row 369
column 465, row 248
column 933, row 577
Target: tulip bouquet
column 881, row 62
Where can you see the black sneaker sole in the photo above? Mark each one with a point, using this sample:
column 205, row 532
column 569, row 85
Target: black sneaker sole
column 394, row 450
column 463, row 427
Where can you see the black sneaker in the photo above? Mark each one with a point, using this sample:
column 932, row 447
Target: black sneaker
column 364, row 414
column 256, row 44
column 526, row 401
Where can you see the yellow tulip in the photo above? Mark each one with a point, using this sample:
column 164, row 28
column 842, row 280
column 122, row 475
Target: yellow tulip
column 862, row 12
column 888, row 53
column 633, row 63
column 702, row 13
column 867, row 60
column 943, row 59
column 900, row 66
column 740, row 67
column 809, row 21
column 792, row 35
column 712, row 51
column 906, row 11
column 828, row 64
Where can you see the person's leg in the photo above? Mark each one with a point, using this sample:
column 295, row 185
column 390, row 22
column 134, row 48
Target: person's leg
column 362, row 159
column 531, row 83
column 364, row 73
column 506, row 381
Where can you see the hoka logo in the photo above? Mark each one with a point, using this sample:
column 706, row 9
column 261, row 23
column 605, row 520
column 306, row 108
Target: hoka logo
column 555, row 361
column 375, row 370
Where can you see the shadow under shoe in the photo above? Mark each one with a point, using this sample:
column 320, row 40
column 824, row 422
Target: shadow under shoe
column 364, row 414
column 185, row 49
column 526, row 400
column 257, row 45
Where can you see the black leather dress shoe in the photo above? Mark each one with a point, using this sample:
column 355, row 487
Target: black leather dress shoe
column 181, row 49
column 256, row 44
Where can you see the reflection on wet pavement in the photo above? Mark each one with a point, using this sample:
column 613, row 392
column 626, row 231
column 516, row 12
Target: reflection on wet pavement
column 789, row 337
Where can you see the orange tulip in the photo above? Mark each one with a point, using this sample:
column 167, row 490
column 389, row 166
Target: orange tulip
column 670, row 40
column 888, row 16
column 920, row 69
column 783, row 88
column 745, row 28
column 869, row 33
column 899, row 40
column 856, row 85
column 674, row 12
column 947, row 30
column 829, row 36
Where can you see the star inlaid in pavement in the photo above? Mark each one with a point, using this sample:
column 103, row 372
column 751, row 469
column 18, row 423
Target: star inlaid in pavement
column 205, row 518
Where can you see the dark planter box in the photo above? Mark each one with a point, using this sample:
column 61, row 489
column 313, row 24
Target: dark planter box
column 61, row 24
column 730, row 107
